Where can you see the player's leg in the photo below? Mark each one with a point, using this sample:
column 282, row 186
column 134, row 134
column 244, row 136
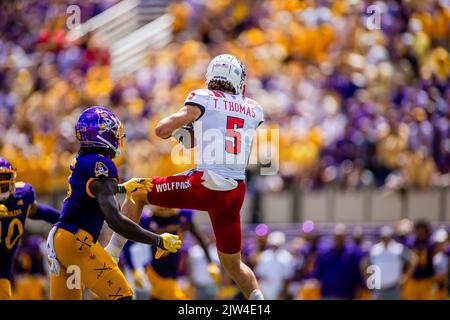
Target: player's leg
column 164, row 288
column 227, row 230
column 61, row 289
column 241, row 274
column 29, row 287
column 101, row 274
column 96, row 269
column 180, row 191
column 5, row 289
column 67, row 284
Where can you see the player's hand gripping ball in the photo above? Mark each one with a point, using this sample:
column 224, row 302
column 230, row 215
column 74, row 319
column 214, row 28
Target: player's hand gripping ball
column 185, row 135
column 170, row 243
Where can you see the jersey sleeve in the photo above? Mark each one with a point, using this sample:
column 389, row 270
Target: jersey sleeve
column 200, row 99
column 258, row 110
column 102, row 168
column 96, row 167
column 261, row 115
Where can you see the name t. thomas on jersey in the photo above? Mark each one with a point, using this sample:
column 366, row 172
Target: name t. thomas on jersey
column 223, row 115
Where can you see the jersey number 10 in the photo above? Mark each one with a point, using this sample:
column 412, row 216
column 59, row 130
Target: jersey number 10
column 11, row 237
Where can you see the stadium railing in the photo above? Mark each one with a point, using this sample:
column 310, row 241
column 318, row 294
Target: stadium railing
column 120, row 20
column 332, row 205
column 128, row 53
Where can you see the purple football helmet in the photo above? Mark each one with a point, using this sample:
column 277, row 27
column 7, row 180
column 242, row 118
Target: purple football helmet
column 99, row 127
column 7, row 179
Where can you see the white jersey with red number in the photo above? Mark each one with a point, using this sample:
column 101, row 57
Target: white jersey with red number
column 225, row 131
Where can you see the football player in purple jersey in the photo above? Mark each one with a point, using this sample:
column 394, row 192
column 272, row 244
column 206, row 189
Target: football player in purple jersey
column 75, row 255
column 17, row 202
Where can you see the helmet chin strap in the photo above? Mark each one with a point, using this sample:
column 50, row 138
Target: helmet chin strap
column 116, row 151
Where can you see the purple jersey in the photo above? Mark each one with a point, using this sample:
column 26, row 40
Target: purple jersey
column 13, row 213
column 29, row 259
column 425, row 252
column 81, row 210
column 338, row 272
column 166, row 267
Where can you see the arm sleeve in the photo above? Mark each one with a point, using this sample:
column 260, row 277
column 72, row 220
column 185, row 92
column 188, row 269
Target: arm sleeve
column 27, row 193
column 46, row 213
column 99, row 168
column 198, row 98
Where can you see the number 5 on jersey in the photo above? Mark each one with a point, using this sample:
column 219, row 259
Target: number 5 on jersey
column 233, row 138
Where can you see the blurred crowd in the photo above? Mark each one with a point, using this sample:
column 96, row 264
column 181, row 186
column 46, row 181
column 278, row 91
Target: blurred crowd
column 44, row 82
column 392, row 262
column 355, row 104
column 404, row 260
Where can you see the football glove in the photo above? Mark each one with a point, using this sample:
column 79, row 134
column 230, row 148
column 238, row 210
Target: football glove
column 134, row 184
column 138, row 278
column 169, row 243
column 214, row 272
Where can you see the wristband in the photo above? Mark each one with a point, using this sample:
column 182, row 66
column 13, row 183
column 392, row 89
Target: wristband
column 121, row 189
column 159, row 242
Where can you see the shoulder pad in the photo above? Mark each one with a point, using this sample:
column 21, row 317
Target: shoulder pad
column 24, row 191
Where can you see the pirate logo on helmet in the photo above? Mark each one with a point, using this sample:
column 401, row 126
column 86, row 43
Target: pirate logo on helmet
column 105, row 123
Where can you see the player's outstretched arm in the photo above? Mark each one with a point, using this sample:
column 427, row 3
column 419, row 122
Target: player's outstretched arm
column 40, row 211
column 104, row 191
column 182, row 117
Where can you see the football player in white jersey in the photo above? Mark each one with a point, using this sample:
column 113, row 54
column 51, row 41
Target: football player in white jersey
column 224, row 122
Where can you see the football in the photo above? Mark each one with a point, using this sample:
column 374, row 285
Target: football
column 185, row 136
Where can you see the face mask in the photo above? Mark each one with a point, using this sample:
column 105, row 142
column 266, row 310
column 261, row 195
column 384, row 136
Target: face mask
column 6, row 185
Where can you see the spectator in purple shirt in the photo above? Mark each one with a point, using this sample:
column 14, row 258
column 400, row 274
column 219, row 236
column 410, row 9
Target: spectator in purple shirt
column 337, row 268
column 420, row 286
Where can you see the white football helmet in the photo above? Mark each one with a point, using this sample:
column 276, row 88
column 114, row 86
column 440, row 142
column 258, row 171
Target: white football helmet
column 226, row 67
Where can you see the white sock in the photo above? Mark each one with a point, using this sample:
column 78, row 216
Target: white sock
column 256, row 295
column 115, row 245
